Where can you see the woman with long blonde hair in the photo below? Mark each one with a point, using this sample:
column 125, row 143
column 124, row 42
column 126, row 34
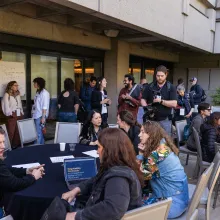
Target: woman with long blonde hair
column 162, row 169
column 12, row 109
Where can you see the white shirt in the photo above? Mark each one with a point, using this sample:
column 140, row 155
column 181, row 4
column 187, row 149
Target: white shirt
column 104, row 108
column 41, row 102
column 11, row 104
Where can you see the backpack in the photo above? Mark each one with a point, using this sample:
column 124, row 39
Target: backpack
column 204, row 96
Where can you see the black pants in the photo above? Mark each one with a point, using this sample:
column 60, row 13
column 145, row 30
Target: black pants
column 105, row 118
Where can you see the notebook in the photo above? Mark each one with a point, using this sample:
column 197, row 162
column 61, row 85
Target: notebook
column 79, row 169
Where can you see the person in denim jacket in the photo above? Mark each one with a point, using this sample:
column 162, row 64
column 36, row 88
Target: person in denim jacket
column 162, row 169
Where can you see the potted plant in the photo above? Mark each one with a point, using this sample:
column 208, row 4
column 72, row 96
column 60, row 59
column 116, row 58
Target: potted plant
column 216, row 100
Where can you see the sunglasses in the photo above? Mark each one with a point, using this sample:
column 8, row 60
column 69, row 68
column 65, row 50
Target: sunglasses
column 209, row 109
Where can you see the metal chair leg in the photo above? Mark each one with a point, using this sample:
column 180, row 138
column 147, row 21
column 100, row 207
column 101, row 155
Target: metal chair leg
column 187, row 158
column 216, row 193
column 196, row 171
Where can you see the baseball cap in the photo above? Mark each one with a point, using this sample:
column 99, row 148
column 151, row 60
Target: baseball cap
column 193, row 79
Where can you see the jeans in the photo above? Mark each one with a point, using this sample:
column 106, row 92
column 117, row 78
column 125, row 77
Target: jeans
column 40, row 136
column 67, row 117
column 179, row 202
column 166, row 125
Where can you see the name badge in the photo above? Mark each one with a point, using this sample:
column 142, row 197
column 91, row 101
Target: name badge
column 18, row 112
column 182, row 111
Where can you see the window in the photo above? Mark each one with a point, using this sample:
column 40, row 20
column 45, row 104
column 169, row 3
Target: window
column 149, row 74
column 45, row 67
column 92, row 68
column 71, row 68
column 15, row 57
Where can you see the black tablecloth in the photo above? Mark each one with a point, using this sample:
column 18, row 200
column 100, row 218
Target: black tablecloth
column 30, row 203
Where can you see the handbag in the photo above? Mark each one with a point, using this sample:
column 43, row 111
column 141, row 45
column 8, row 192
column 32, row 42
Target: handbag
column 57, row 210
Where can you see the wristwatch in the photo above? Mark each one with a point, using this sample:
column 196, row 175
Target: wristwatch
column 161, row 102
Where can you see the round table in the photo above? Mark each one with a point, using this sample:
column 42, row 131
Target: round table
column 30, row 203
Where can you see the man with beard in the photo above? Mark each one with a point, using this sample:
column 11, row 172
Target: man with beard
column 162, row 95
column 130, row 96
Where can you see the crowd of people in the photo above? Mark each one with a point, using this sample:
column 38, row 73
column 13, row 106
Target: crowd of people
column 141, row 160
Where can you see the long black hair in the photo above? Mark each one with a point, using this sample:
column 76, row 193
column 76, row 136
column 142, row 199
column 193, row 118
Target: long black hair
column 69, row 84
column 99, row 82
column 41, row 84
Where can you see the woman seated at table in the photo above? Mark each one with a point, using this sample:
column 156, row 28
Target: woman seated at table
column 116, row 188
column 128, row 123
column 15, row 179
column 210, row 134
column 91, row 128
column 162, row 170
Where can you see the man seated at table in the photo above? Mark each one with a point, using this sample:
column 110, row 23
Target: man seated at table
column 15, row 179
column 116, row 188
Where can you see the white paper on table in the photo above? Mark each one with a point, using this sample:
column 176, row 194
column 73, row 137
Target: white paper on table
column 28, row 165
column 92, row 153
column 60, row 159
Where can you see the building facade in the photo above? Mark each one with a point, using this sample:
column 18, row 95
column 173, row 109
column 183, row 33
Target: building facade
column 56, row 39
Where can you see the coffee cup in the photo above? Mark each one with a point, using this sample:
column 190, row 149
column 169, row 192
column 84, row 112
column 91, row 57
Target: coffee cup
column 62, row 146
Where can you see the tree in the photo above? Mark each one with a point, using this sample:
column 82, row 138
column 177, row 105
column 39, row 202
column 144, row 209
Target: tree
column 216, row 97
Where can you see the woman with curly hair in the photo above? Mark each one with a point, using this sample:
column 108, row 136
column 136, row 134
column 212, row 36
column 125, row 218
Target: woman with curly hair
column 162, row 170
column 12, row 109
column 117, row 186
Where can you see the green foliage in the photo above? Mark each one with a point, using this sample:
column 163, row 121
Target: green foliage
column 216, row 97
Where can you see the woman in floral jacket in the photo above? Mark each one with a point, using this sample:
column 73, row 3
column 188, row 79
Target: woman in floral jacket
column 162, row 169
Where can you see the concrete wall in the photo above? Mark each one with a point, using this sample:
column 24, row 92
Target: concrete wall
column 21, row 25
column 168, row 19
column 206, row 68
column 116, row 66
column 217, row 38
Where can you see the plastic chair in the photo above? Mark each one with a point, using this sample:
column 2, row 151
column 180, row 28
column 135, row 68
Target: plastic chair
column 201, row 165
column 180, row 125
column 67, row 132
column 27, row 131
column 206, row 197
column 190, row 213
column 157, row 211
column 7, row 141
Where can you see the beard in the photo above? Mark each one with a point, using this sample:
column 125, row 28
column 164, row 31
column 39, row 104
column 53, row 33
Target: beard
column 126, row 85
column 160, row 82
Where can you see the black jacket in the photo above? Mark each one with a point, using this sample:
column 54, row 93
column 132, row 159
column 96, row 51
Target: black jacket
column 196, row 123
column 96, row 99
column 111, row 195
column 209, row 137
column 13, row 179
column 196, row 91
column 88, row 133
column 133, row 133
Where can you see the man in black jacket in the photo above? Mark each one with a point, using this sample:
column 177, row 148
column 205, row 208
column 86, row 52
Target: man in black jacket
column 196, row 91
column 15, row 179
column 161, row 95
